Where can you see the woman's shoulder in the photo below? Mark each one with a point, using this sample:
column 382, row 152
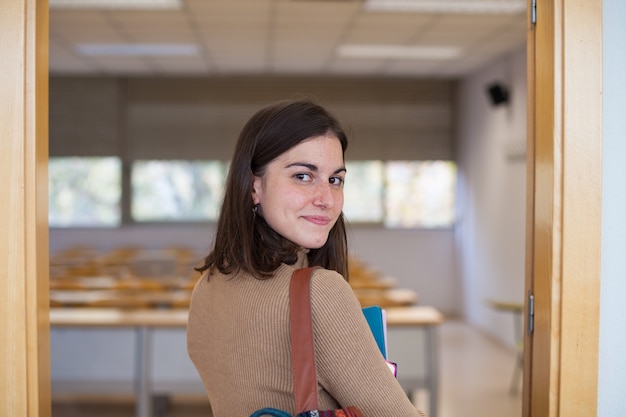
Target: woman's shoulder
column 331, row 286
column 328, row 276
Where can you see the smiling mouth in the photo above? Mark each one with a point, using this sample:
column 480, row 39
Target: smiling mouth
column 318, row 220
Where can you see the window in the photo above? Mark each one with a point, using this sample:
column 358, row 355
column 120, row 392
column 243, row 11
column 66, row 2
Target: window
column 363, row 191
column 87, row 192
column 177, row 190
column 401, row 194
column 420, row 194
column 84, row 191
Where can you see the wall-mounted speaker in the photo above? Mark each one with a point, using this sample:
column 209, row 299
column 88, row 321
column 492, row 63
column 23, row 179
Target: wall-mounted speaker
column 498, row 94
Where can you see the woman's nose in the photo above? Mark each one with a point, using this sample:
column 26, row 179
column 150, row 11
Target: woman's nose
column 324, row 196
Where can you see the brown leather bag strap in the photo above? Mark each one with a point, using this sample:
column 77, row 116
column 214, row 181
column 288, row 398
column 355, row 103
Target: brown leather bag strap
column 302, row 348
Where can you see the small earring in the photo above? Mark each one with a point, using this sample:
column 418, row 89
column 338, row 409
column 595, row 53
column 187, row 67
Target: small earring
column 255, row 209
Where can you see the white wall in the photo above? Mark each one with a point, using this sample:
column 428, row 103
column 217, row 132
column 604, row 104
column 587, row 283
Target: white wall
column 490, row 233
column 421, row 260
column 612, row 366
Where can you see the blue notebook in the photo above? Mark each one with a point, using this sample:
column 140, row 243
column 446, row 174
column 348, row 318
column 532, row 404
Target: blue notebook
column 375, row 317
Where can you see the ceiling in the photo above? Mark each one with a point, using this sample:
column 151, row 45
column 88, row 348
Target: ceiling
column 277, row 37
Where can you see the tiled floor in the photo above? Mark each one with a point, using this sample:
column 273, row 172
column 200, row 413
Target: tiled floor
column 475, row 381
column 476, row 375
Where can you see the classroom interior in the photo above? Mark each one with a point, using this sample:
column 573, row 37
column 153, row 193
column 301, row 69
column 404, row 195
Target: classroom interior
column 190, row 107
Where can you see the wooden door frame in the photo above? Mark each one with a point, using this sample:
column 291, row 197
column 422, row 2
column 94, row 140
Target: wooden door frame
column 24, row 318
column 564, row 208
column 563, row 223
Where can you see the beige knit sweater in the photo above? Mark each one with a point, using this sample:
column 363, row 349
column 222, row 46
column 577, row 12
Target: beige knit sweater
column 238, row 339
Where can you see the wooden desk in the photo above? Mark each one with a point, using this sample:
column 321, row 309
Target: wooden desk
column 517, row 309
column 395, row 297
column 113, row 317
column 427, row 319
column 413, row 316
column 145, row 320
column 113, row 282
column 130, row 299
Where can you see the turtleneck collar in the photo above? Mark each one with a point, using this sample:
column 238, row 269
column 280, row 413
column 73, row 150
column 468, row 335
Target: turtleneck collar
column 303, row 260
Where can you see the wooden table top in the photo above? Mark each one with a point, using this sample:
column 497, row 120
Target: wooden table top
column 111, row 282
column 120, row 298
column 513, row 306
column 413, row 316
column 116, row 317
column 394, row 297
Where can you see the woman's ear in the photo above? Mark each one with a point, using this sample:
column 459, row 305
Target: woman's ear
column 256, row 190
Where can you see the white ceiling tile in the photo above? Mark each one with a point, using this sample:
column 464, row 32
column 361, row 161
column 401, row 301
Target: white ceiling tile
column 386, row 21
column 239, row 66
column 420, row 66
column 76, row 17
column 152, row 36
column 278, row 36
column 148, row 17
column 181, row 65
column 94, row 37
column 79, row 24
column 240, row 54
column 225, row 30
column 228, row 6
column 64, row 60
column 218, row 53
column 358, row 66
column 317, row 9
column 124, row 65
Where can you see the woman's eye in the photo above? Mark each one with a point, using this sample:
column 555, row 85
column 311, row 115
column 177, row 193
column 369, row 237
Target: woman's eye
column 336, row 181
column 303, row 177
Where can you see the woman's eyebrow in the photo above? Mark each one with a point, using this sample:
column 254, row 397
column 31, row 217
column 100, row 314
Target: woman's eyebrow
column 312, row 167
column 303, row 164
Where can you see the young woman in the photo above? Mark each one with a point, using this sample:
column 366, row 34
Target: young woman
column 282, row 210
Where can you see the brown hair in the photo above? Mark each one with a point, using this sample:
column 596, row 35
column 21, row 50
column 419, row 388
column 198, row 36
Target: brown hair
column 243, row 240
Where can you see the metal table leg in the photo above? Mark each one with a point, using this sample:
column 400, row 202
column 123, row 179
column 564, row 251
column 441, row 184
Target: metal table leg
column 143, row 353
column 432, row 365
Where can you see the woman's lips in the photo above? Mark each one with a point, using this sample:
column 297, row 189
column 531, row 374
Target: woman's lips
column 319, row 220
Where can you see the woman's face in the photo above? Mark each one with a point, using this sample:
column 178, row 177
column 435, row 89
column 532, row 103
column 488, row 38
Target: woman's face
column 301, row 191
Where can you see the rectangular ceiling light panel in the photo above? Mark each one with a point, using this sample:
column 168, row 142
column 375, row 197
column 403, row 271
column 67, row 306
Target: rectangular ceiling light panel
column 139, row 49
column 398, row 52
column 117, row 4
column 448, row 6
